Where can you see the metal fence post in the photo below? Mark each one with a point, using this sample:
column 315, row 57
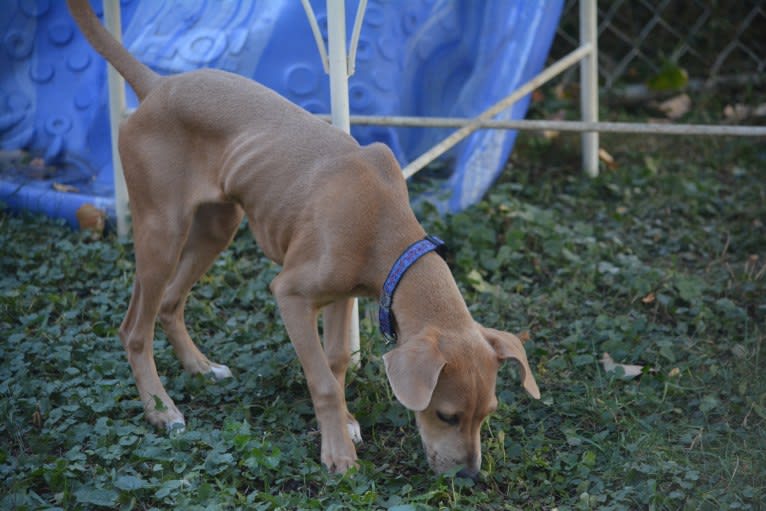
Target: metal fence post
column 589, row 84
column 338, row 64
column 116, row 85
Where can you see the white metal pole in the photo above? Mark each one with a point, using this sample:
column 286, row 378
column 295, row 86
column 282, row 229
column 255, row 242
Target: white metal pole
column 116, row 85
column 589, row 84
column 355, row 33
column 317, row 34
column 336, row 35
column 442, row 147
column 575, row 126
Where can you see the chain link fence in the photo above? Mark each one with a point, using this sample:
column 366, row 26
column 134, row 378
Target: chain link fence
column 715, row 41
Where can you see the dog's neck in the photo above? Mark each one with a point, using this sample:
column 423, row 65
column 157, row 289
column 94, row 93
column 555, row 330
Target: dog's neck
column 428, row 297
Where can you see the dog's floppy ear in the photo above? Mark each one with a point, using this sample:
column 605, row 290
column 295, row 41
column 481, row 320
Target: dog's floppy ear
column 413, row 370
column 507, row 345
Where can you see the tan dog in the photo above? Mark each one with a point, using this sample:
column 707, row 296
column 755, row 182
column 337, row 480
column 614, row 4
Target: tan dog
column 207, row 147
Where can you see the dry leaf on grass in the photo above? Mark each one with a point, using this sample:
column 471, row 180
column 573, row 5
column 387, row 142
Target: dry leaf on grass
column 628, row 371
column 607, row 158
column 736, row 113
column 676, row 106
column 92, row 219
column 739, row 112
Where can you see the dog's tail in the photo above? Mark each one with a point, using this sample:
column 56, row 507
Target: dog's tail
column 140, row 77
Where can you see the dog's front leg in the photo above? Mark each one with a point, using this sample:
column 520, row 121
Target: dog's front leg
column 300, row 317
column 337, row 346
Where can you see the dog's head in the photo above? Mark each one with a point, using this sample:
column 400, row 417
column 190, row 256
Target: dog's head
column 450, row 385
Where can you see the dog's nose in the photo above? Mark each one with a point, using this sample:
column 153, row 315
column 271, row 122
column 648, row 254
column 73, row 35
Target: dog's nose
column 468, row 473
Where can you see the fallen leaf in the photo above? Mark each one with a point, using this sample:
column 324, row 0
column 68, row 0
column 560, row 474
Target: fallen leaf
column 676, row 106
column 674, row 372
column 736, row 113
column 739, row 112
column 628, row 371
column 751, row 267
column 649, row 298
column 481, row 285
column 59, row 187
column 739, row 351
column 92, row 219
column 607, row 158
column 37, row 418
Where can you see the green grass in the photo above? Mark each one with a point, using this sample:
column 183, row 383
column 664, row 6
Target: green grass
column 659, row 262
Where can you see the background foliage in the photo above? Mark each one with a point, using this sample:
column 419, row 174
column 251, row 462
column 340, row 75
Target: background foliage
column 659, row 262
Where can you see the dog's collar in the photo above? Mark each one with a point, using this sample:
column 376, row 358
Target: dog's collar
column 405, row 261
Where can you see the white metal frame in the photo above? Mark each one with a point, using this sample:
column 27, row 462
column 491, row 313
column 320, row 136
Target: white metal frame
column 586, row 55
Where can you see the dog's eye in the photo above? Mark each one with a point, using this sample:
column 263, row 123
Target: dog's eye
column 452, row 420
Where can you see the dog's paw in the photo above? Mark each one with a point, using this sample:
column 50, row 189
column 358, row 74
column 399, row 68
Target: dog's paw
column 340, row 464
column 175, row 428
column 354, row 431
column 338, row 452
column 165, row 416
column 219, row 371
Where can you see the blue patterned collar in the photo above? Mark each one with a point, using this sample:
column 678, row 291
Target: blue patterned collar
column 405, row 261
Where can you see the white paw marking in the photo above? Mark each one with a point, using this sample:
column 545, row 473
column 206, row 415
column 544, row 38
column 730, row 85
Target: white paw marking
column 355, row 432
column 176, row 427
column 219, row 371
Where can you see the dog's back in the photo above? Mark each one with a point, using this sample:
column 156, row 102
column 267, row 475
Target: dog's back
column 219, row 104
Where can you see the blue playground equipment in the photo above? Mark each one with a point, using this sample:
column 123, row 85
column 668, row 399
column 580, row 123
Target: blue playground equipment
column 450, row 58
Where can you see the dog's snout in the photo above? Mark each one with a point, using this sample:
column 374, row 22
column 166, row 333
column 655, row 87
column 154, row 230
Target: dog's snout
column 471, row 468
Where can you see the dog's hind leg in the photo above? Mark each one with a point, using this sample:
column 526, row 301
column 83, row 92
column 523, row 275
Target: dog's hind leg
column 158, row 241
column 213, row 228
column 337, row 346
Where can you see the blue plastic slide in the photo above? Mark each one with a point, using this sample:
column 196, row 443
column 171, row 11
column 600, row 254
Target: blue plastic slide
column 426, row 57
